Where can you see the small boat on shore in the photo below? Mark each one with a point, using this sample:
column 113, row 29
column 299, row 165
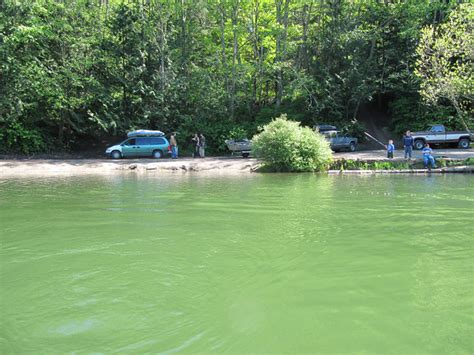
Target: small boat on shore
column 145, row 133
column 241, row 146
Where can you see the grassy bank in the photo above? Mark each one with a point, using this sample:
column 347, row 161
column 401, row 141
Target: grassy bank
column 349, row 164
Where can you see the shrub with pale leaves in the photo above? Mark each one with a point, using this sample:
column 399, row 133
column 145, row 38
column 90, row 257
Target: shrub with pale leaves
column 284, row 145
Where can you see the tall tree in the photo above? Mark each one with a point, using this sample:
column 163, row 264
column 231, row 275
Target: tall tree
column 446, row 62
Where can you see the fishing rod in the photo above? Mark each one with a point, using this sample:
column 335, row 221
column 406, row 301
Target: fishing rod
column 375, row 139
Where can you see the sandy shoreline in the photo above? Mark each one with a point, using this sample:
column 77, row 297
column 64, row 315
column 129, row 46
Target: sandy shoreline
column 75, row 167
column 211, row 165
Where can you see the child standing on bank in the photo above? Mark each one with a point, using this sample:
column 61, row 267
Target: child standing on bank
column 390, row 149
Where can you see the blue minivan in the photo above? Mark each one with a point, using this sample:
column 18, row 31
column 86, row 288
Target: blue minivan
column 156, row 146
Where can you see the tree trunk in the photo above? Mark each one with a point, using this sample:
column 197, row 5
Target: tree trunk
column 455, row 103
column 359, row 98
column 256, row 50
column 235, row 55
column 303, row 50
column 183, row 34
column 222, row 19
column 282, row 21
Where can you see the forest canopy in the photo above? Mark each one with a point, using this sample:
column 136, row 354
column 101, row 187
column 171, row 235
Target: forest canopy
column 76, row 70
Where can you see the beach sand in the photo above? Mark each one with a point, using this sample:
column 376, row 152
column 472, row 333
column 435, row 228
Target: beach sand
column 74, row 167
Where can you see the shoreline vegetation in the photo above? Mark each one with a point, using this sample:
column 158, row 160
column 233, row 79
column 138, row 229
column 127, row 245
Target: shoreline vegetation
column 212, row 166
column 79, row 74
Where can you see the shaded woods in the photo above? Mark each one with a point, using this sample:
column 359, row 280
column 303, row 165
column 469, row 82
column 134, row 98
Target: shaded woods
column 75, row 71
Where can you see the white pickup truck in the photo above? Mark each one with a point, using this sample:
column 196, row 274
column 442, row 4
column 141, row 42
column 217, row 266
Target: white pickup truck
column 437, row 134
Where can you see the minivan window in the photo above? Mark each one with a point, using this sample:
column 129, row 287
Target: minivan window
column 157, row 141
column 150, row 141
column 130, row 142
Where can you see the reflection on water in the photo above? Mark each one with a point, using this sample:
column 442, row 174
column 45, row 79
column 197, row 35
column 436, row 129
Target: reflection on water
column 258, row 263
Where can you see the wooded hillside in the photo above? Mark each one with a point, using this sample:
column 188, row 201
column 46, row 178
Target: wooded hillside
column 77, row 70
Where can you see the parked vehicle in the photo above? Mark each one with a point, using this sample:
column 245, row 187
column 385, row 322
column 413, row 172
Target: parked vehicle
column 324, row 128
column 338, row 141
column 437, row 134
column 141, row 144
column 241, row 146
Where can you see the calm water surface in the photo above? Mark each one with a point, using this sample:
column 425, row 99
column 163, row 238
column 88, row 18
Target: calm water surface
column 261, row 263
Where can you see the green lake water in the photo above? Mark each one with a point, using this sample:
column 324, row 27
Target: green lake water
column 248, row 264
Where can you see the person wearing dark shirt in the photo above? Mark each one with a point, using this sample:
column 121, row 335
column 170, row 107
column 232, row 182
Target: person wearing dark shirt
column 196, row 144
column 408, row 144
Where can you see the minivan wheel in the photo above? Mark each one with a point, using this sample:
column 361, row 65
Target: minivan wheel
column 464, row 143
column 352, row 147
column 116, row 154
column 157, row 154
column 419, row 144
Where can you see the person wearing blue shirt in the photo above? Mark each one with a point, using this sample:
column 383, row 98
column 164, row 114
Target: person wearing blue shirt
column 428, row 159
column 408, row 144
column 390, row 149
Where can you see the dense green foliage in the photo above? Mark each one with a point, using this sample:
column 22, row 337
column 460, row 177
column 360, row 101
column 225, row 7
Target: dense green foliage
column 284, row 145
column 76, row 70
column 446, row 62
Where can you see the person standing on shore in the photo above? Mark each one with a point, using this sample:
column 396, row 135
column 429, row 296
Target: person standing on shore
column 202, row 145
column 174, row 146
column 408, row 145
column 390, row 149
column 196, row 144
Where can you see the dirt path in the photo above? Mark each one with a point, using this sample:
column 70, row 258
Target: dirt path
column 377, row 124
